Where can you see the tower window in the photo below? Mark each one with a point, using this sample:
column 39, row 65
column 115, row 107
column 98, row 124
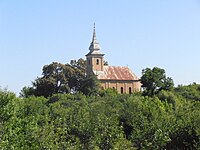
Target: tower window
column 89, row 62
column 130, row 92
column 122, row 90
column 97, row 61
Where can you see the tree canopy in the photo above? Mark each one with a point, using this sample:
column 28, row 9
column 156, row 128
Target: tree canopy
column 155, row 80
column 66, row 113
column 61, row 78
column 168, row 121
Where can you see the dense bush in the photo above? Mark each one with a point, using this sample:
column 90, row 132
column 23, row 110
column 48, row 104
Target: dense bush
column 108, row 121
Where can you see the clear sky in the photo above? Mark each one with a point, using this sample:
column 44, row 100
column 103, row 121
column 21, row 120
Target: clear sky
column 137, row 33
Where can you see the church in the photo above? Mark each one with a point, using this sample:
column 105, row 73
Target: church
column 116, row 77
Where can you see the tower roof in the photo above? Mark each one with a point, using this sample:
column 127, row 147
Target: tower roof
column 94, row 45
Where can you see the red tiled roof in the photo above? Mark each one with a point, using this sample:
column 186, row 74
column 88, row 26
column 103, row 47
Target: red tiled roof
column 116, row 73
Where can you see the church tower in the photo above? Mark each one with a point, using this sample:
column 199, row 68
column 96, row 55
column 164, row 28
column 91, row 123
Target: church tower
column 94, row 58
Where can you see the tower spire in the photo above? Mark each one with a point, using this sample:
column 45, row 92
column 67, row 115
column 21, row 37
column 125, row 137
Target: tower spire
column 94, row 38
column 94, row 45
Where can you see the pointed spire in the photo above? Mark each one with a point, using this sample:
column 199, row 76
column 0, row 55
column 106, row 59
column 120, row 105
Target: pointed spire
column 94, row 45
column 94, row 38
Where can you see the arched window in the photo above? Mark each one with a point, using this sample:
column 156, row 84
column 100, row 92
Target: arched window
column 130, row 92
column 97, row 61
column 122, row 90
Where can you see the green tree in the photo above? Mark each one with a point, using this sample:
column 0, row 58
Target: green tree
column 26, row 91
column 109, row 121
column 80, row 64
column 190, row 92
column 155, row 80
column 63, row 78
column 57, row 78
column 90, row 85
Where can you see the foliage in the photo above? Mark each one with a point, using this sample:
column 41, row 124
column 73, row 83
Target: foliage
column 191, row 92
column 167, row 120
column 108, row 92
column 105, row 63
column 154, row 80
column 62, row 78
column 90, row 85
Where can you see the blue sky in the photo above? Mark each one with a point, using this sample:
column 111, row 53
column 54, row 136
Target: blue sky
column 134, row 33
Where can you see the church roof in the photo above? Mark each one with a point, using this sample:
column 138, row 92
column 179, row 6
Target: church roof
column 115, row 73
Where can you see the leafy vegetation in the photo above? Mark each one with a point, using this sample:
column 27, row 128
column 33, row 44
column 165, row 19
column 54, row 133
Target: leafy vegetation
column 154, row 80
column 190, row 92
column 64, row 109
column 110, row 121
column 62, row 78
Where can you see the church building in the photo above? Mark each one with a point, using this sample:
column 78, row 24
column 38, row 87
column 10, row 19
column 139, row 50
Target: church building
column 116, row 77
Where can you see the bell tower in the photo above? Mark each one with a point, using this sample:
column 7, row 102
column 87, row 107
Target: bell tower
column 94, row 58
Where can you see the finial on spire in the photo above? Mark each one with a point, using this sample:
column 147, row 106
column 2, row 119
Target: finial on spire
column 94, row 33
